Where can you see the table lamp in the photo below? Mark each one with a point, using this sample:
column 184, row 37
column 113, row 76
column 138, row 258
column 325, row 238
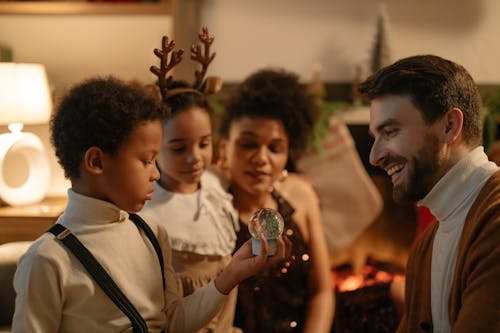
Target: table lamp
column 24, row 99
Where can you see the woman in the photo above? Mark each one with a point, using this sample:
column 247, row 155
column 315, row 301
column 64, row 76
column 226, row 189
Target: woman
column 267, row 123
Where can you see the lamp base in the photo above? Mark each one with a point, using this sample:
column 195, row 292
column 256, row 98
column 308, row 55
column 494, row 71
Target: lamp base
column 37, row 183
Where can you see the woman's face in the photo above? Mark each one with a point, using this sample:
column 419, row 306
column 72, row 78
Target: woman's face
column 255, row 153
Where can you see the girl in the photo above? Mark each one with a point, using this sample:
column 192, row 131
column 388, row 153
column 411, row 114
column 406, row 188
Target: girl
column 189, row 200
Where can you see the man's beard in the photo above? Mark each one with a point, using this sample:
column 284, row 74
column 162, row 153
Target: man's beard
column 422, row 172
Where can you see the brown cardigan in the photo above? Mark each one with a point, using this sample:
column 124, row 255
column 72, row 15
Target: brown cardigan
column 474, row 303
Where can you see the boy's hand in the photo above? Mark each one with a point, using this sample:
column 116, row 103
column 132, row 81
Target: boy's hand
column 244, row 264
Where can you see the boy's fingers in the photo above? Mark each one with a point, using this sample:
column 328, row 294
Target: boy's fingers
column 280, row 253
column 260, row 260
column 263, row 246
column 244, row 251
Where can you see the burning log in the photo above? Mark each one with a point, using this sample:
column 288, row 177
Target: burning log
column 364, row 301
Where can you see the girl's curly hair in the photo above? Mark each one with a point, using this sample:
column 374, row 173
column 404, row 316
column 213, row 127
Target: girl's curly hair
column 185, row 100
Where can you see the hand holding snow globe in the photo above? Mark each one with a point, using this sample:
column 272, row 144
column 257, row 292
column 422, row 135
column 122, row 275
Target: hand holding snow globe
column 269, row 223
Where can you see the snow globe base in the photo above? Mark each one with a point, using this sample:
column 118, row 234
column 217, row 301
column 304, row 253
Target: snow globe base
column 272, row 246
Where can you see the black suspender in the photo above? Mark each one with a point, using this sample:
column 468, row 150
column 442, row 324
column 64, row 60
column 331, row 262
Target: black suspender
column 140, row 223
column 100, row 275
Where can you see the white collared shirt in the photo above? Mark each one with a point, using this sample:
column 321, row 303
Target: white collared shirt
column 203, row 222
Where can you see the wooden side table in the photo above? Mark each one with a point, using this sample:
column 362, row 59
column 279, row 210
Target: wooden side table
column 26, row 223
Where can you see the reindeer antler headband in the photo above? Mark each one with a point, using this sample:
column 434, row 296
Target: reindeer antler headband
column 204, row 58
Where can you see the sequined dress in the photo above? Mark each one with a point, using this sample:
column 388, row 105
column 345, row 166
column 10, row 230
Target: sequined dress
column 276, row 300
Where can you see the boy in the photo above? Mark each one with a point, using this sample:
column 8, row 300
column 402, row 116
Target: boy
column 107, row 135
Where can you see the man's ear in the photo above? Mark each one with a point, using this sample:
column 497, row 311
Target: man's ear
column 93, row 160
column 452, row 126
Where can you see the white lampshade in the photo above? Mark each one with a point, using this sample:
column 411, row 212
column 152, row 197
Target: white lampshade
column 24, row 99
column 24, row 94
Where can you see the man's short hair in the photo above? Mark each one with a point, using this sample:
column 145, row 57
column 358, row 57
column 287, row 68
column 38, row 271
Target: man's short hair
column 435, row 86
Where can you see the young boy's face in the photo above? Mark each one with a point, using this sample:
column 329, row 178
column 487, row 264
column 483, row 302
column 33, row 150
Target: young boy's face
column 186, row 150
column 129, row 174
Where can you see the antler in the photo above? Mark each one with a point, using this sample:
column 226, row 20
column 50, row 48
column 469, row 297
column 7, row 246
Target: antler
column 205, row 59
column 165, row 64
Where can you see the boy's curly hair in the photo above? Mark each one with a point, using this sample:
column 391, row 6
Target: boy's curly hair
column 275, row 94
column 101, row 112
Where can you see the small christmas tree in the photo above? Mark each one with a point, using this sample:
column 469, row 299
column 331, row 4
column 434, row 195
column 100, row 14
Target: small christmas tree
column 380, row 52
column 316, row 87
column 356, row 98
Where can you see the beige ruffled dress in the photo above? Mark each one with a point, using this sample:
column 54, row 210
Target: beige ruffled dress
column 201, row 228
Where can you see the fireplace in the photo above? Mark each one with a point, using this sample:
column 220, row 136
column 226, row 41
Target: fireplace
column 366, row 273
column 364, row 301
column 387, row 239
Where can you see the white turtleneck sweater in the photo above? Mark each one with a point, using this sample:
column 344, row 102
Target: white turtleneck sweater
column 56, row 294
column 449, row 201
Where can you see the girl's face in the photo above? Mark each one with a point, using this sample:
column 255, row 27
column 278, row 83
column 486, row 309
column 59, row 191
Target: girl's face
column 186, row 150
column 255, row 152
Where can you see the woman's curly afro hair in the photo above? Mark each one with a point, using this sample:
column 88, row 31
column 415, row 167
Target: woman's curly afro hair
column 275, row 94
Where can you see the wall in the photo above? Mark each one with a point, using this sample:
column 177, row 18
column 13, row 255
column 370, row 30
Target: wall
column 75, row 47
column 294, row 34
column 339, row 34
